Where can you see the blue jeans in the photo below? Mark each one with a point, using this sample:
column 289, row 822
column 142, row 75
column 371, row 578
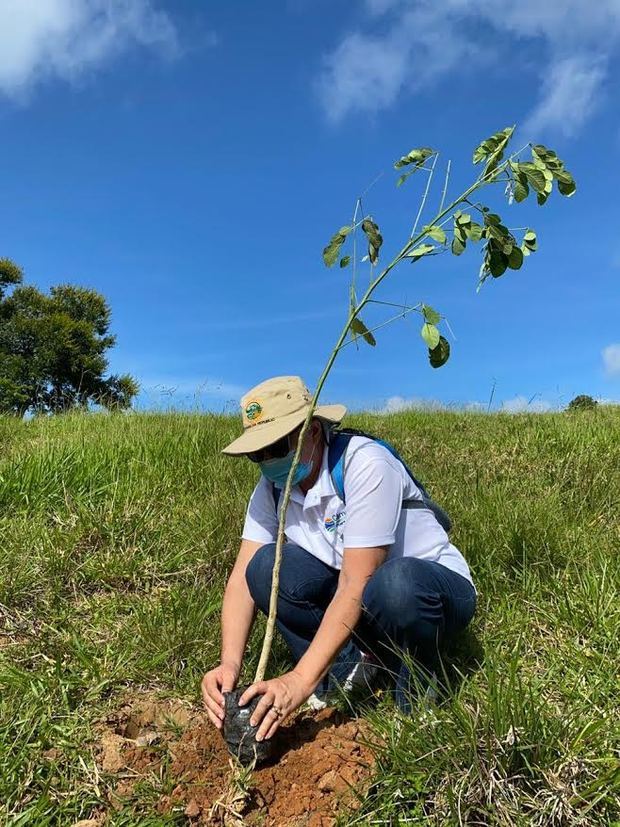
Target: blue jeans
column 408, row 606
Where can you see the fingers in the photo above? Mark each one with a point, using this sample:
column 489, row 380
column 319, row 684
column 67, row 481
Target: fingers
column 211, row 687
column 262, row 707
column 213, row 699
column 274, row 726
column 215, row 720
column 252, row 691
column 270, row 723
column 228, row 682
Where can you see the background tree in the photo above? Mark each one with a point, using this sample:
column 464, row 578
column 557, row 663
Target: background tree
column 583, row 402
column 52, row 348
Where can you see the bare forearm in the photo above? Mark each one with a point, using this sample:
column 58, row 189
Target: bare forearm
column 238, row 612
column 338, row 622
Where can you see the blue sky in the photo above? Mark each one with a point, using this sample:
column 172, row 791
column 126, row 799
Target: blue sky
column 191, row 159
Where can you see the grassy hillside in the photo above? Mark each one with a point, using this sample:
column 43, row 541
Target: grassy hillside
column 117, row 533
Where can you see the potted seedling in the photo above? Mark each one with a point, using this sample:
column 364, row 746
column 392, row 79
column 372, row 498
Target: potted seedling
column 533, row 169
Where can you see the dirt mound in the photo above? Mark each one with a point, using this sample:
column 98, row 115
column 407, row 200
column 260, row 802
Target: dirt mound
column 319, row 759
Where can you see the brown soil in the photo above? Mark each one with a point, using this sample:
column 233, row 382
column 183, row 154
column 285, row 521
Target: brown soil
column 319, row 758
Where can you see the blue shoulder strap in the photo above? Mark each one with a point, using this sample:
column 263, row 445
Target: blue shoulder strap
column 336, row 451
column 277, row 492
column 335, row 463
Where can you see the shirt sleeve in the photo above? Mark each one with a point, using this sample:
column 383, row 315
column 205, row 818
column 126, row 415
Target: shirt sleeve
column 261, row 521
column 374, row 502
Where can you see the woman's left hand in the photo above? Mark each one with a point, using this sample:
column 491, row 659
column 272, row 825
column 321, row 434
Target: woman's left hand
column 281, row 696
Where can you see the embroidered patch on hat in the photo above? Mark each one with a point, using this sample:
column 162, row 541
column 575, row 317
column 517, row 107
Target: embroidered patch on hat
column 254, row 411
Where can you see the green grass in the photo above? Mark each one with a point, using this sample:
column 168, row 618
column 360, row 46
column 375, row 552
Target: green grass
column 117, row 535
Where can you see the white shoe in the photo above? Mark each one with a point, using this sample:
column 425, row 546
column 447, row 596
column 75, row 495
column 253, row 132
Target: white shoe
column 315, row 703
column 361, row 677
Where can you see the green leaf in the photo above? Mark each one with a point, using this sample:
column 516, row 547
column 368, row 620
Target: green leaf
column 534, row 175
column 420, row 251
column 458, row 246
column 520, row 189
column 554, row 167
column 436, row 233
column 358, row 327
column 460, row 232
column 430, row 334
column 497, row 264
column 566, row 184
column 440, row 354
column 402, row 178
column 474, row 231
column 416, row 157
column 462, row 218
column 492, row 150
column 344, row 261
column 542, row 152
column 498, row 232
column 375, row 239
column 542, row 197
column 530, row 243
column 493, row 146
column 430, row 314
column 515, row 259
column 332, row 250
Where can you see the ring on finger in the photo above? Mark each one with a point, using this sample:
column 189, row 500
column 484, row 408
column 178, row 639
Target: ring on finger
column 276, row 710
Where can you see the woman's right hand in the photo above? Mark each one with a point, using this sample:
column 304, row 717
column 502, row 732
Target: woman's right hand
column 221, row 679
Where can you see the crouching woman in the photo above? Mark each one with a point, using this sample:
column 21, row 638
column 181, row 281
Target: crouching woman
column 368, row 574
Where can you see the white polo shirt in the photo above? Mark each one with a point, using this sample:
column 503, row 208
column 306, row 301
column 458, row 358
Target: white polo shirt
column 376, row 484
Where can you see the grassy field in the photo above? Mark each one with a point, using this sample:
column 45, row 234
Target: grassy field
column 117, row 535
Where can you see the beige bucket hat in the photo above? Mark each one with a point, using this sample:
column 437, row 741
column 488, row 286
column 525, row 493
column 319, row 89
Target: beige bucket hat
column 273, row 409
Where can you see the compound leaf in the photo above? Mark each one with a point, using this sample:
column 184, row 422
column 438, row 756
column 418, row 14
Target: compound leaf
column 417, row 157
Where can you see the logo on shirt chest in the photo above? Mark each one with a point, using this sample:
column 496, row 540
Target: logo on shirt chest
column 336, row 520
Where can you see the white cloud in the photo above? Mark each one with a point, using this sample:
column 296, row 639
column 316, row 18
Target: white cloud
column 366, row 73
column 611, row 359
column 521, row 404
column 42, row 39
column 570, row 95
column 416, row 41
column 398, row 403
column 362, row 74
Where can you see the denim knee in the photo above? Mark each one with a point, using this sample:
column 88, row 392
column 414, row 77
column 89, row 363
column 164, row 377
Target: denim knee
column 394, row 594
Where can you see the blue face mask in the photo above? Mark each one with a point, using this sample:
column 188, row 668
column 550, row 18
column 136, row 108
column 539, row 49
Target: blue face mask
column 277, row 470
